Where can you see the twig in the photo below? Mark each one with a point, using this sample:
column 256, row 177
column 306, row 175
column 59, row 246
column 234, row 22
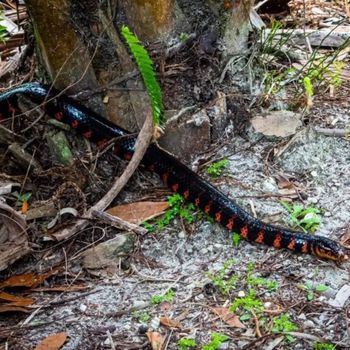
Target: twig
column 141, row 145
column 334, row 132
column 118, row 222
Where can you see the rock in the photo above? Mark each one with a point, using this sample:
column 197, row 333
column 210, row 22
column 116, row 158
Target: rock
column 107, row 254
column 342, row 296
column 187, row 135
column 277, row 123
column 309, row 324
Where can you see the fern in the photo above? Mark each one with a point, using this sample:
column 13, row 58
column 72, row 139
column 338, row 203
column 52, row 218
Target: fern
column 145, row 65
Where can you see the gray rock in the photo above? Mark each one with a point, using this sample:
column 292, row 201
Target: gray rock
column 108, row 253
column 187, row 135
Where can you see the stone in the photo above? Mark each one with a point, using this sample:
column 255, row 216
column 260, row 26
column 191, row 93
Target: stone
column 277, row 123
column 108, row 254
column 187, row 135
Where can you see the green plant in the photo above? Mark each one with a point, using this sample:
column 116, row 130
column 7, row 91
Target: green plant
column 247, row 303
column 236, row 239
column 23, row 198
column 254, row 281
column 220, row 279
column 283, row 324
column 215, row 169
column 141, row 316
column 3, row 30
column 335, row 73
column 308, row 219
column 168, row 296
column 216, row 340
column 178, row 207
column 145, row 65
column 323, row 346
column 186, row 343
column 183, row 37
column 311, row 289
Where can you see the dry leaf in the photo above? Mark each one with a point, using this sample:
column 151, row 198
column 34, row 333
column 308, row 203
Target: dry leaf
column 60, row 289
column 138, row 212
column 155, row 339
column 29, row 280
column 15, row 300
column 165, row 321
column 13, row 308
column 228, row 317
column 52, row 342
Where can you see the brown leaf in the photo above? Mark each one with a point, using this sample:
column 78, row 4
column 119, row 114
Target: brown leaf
column 228, row 317
column 165, row 321
column 155, row 339
column 138, row 212
column 13, row 308
column 15, row 300
column 29, row 280
column 52, row 342
column 60, row 289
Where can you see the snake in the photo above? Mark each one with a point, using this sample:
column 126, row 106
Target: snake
column 174, row 174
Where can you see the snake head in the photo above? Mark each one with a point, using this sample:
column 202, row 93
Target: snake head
column 325, row 248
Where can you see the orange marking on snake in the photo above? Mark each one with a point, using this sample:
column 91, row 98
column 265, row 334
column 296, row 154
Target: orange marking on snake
column 87, row 134
column 12, row 109
column 197, row 202
column 175, row 187
column 165, row 177
column 59, row 115
column 207, row 208
column 186, row 194
column 231, row 223
column 102, row 143
column 127, row 156
column 304, row 248
column 291, row 245
column 218, row 216
column 261, row 237
column 277, row 241
column 74, row 124
column 244, row 231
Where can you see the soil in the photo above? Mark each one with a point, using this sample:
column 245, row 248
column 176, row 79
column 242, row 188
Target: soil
column 193, row 260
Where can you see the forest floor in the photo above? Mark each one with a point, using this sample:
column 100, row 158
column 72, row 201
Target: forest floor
column 189, row 283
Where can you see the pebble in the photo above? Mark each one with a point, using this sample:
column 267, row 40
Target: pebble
column 83, row 307
column 309, row 324
column 182, row 235
column 241, row 293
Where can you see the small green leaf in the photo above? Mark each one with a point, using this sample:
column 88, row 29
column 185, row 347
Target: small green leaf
column 320, row 288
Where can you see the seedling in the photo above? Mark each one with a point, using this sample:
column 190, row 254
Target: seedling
column 254, row 281
column 216, row 340
column 307, row 219
column 311, row 289
column 323, row 346
column 186, row 343
column 282, row 324
column 236, row 239
column 141, row 316
column 247, row 303
column 183, row 37
column 216, row 169
column 222, row 281
column 168, row 296
column 177, row 208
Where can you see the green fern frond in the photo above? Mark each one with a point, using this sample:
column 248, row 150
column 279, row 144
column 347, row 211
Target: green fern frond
column 145, row 65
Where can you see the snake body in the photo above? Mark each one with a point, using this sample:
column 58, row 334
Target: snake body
column 178, row 177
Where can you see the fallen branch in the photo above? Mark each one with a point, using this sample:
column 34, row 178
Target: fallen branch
column 141, row 145
column 118, row 222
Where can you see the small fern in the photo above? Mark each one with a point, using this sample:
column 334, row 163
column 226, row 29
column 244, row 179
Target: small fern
column 145, row 65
